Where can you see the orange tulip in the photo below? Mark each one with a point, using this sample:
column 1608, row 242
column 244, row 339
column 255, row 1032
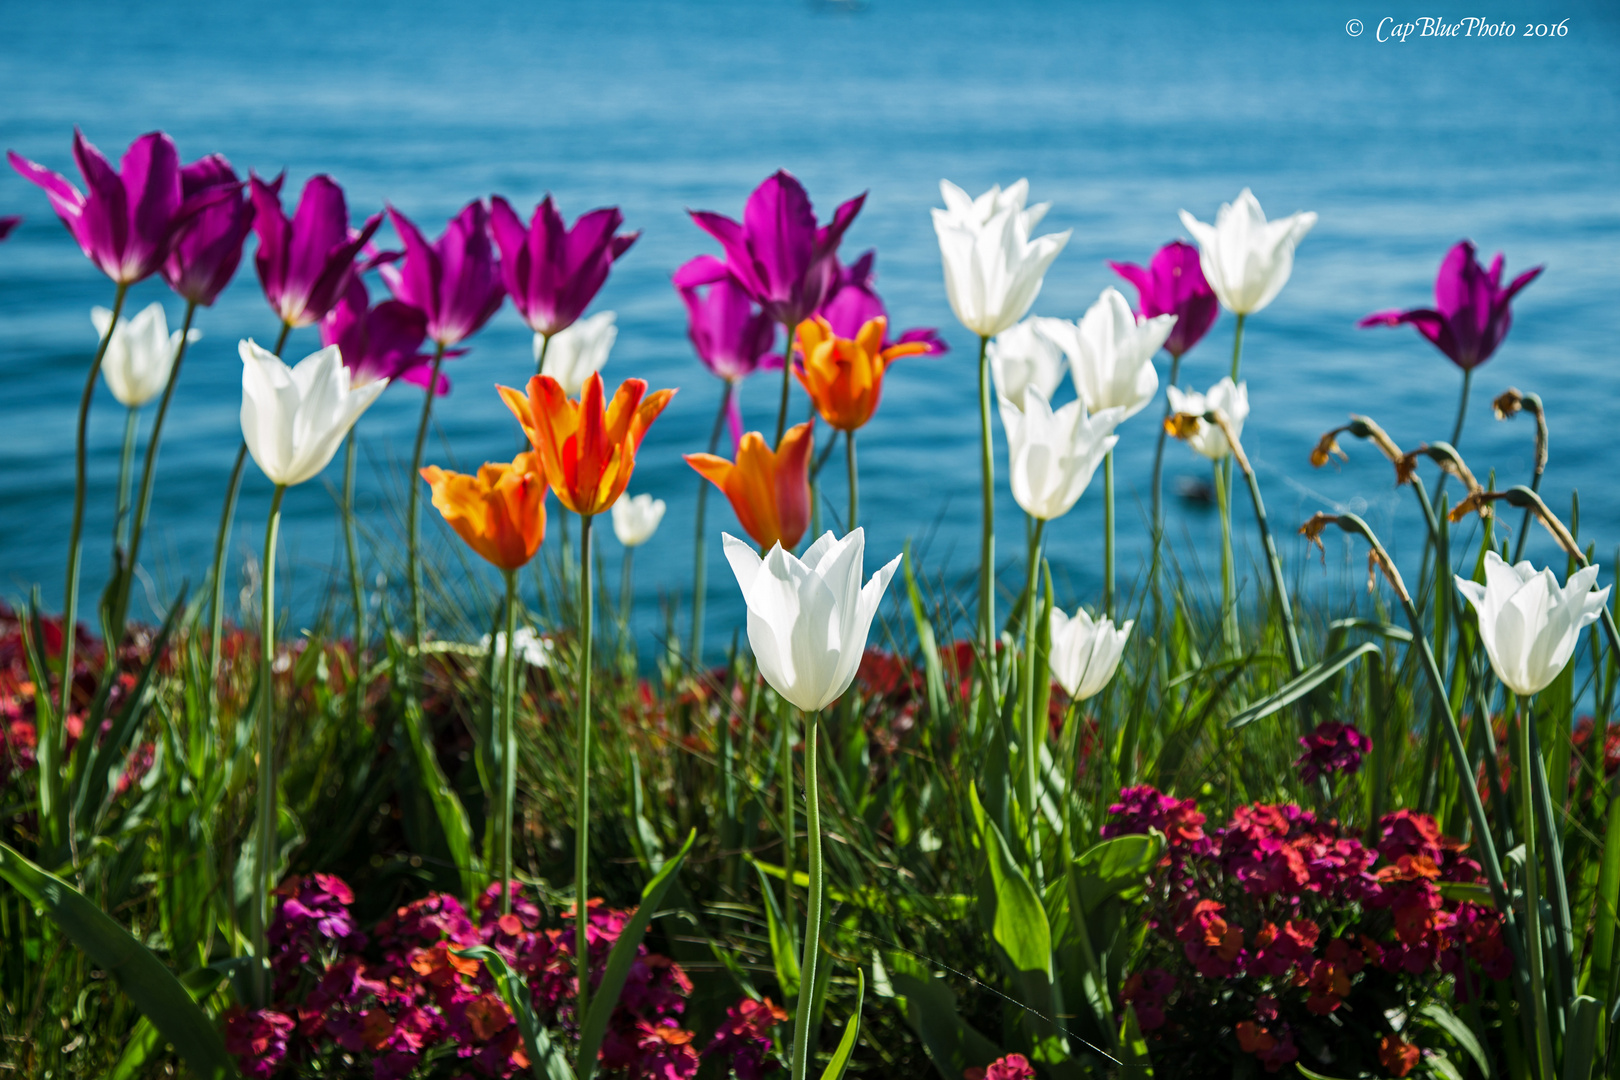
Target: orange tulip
column 844, row 376
column 588, row 451
column 769, row 491
column 500, row 512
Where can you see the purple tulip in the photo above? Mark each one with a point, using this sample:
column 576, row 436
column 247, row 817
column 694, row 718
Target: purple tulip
column 305, row 264
column 127, row 221
column 381, row 341
column 553, row 272
column 1173, row 284
column 207, row 249
column 7, row 224
column 853, row 302
column 1471, row 315
column 454, row 281
column 731, row 334
column 777, row 253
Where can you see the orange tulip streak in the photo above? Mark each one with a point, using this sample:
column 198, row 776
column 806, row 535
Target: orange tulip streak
column 844, row 376
column 770, row 491
column 500, row 512
column 587, row 451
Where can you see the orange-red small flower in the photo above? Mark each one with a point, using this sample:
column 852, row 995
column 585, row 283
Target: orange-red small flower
column 844, row 376
column 587, row 450
column 770, row 491
column 500, row 512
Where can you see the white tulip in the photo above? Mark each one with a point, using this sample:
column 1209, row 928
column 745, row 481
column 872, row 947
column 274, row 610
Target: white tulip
column 1111, row 353
column 1051, row 455
column 1023, row 356
column 1529, row 625
column 993, row 270
column 140, row 354
column 1245, row 258
column 1232, row 400
column 636, row 519
column 578, row 352
column 808, row 618
column 294, row 419
column 1086, row 652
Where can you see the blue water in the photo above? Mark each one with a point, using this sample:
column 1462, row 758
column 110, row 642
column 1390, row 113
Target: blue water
column 1119, row 117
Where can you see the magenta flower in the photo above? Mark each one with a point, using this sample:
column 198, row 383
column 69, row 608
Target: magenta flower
column 731, row 334
column 777, row 253
column 7, row 224
column 127, row 221
column 852, row 302
column 207, row 249
column 1331, row 748
column 1471, row 313
column 1173, row 284
column 553, row 272
column 379, row 341
column 454, row 281
column 305, row 264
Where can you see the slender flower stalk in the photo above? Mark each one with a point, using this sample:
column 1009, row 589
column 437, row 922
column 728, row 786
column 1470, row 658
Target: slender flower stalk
column 582, row 765
column 1506, row 404
column 1532, row 895
column 506, row 748
column 51, row 744
column 357, row 591
column 143, row 502
column 854, row 480
column 264, row 832
column 700, row 550
column 126, row 461
column 413, row 564
column 810, row 951
column 1032, row 724
column 1209, row 440
column 987, row 535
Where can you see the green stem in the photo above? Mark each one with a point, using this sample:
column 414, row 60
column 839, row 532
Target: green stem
column 216, row 617
column 216, row 606
column 540, row 360
column 1158, row 466
column 784, row 780
column 1108, row 534
column 265, row 819
column 143, row 503
column 1237, row 346
column 700, row 561
column 52, row 810
column 987, row 541
column 810, row 954
column 1296, row 657
column 125, row 460
column 582, row 766
column 1032, row 739
column 1456, row 429
column 413, row 483
column 357, row 592
column 787, row 383
column 1532, row 901
column 1223, row 501
column 506, row 743
column 854, row 484
column 626, row 594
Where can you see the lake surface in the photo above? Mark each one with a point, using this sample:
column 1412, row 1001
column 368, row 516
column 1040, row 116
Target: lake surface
column 1118, row 117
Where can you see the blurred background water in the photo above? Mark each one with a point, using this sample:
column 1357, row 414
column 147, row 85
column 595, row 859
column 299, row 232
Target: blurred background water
column 1118, row 116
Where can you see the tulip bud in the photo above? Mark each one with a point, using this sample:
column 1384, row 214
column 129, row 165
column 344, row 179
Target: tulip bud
column 140, row 353
column 636, row 518
column 1527, row 623
column 1086, row 653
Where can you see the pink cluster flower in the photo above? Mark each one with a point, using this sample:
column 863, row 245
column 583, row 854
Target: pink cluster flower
column 405, row 993
column 745, row 1038
column 1269, row 924
column 1010, row 1067
column 1331, row 749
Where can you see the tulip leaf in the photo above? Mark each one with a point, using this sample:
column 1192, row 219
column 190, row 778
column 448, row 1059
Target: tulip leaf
column 156, row 992
column 1301, row 685
column 1020, row 925
column 852, row 1030
column 1460, row 1033
column 606, row 997
column 146, row 1040
column 1118, row 866
column 927, row 644
column 952, row 1043
column 1310, row 1075
column 1580, row 1039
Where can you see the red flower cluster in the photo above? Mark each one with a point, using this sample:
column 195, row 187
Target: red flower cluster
column 1581, row 738
column 403, row 996
column 1273, row 921
column 1010, row 1067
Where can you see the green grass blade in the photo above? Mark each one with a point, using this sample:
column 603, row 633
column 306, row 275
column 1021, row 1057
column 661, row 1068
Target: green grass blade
column 1299, row 687
column 153, row 988
column 852, row 1030
column 606, row 996
column 546, row 1060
